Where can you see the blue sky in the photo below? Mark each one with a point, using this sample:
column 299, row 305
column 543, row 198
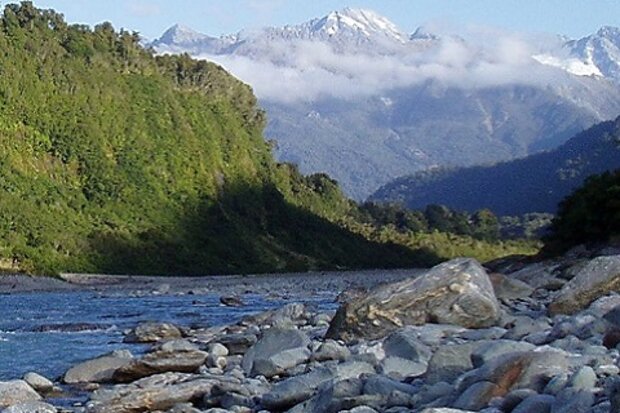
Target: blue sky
column 574, row 18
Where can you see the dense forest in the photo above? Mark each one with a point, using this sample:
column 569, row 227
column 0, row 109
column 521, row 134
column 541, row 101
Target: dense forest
column 535, row 184
column 115, row 160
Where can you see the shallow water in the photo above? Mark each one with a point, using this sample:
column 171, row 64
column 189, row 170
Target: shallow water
column 49, row 332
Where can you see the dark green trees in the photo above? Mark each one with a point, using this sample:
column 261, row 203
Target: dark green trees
column 590, row 214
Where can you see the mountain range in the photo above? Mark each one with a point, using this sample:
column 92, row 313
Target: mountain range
column 533, row 184
column 352, row 95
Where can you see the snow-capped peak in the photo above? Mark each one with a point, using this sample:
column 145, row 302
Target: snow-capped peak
column 179, row 34
column 609, row 32
column 357, row 21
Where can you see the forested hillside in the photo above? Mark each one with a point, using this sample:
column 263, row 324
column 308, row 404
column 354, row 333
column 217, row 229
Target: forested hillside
column 533, row 184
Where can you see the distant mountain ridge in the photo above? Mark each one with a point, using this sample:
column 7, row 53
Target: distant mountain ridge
column 533, row 184
column 352, row 95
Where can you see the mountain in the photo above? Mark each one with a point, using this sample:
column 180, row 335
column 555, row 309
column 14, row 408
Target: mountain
column 117, row 161
column 533, row 184
column 594, row 55
column 352, row 95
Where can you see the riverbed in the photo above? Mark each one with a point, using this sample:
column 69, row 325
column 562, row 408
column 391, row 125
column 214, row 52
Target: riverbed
column 48, row 325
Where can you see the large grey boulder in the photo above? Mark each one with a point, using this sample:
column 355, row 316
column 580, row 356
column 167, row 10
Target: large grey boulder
column 278, row 350
column 16, row 391
column 154, row 393
column 598, row 277
column 161, row 361
column 457, row 292
column 98, row 370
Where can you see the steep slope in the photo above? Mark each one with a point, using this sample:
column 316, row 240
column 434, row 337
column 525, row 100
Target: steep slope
column 533, row 184
column 351, row 95
column 116, row 161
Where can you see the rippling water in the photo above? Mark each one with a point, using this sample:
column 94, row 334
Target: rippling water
column 37, row 329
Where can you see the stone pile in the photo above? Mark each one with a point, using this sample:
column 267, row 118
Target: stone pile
column 542, row 339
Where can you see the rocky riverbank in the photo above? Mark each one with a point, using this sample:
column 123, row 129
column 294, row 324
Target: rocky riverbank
column 513, row 338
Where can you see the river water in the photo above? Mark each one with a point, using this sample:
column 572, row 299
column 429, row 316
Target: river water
column 49, row 332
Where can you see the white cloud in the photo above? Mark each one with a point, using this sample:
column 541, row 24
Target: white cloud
column 305, row 70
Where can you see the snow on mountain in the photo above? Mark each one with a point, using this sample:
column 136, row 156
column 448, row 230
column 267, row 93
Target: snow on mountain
column 594, row 55
column 179, row 39
column 344, row 30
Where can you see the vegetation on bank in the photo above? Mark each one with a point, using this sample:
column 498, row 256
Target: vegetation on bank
column 589, row 215
column 114, row 160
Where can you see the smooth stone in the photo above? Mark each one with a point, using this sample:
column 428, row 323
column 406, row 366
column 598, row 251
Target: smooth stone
column 157, row 392
column 507, row 288
column 377, row 384
column 30, row 407
column 336, row 390
column 405, row 344
column 571, row 401
column 217, row 349
column 151, row 332
column 450, row 361
column 39, row 383
column 399, row 368
column 177, row 345
column 598, row 277
column 491, row 333
column 539, row 403
column 278, row 350
column 214, row 361
column 514, row 398
column 530, row 370
column 433, row 392
column 331, row 350
column 456, row 292
column 295, row 390
column 239, row 343
column 556, row 384
column 444, row 410
column 522, row 326
column 477, row 396
column 584, row 379
column 496, row 348
column 98, row 370
column 160, row 361
column 16, row 391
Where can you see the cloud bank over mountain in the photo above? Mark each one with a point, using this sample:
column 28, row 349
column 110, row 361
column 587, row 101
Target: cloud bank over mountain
column 307, row 70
